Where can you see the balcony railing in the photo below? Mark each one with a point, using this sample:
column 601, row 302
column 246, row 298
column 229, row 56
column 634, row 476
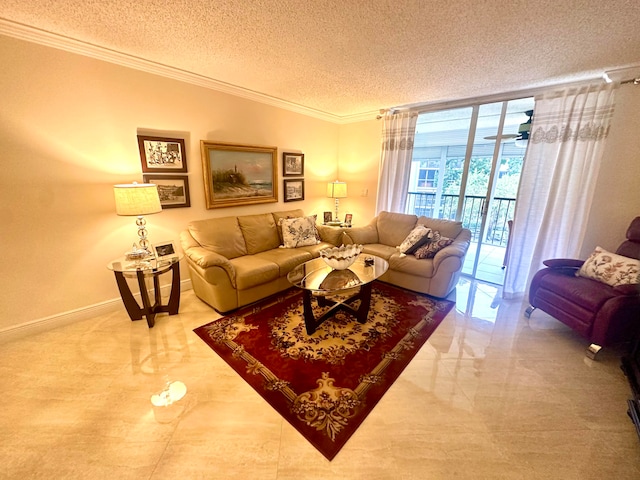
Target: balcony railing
column 499, row 214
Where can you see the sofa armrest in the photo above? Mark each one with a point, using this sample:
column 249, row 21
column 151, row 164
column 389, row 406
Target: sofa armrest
column 206, row 258
column 332, row 235
column 458, row 248
column 563, row 263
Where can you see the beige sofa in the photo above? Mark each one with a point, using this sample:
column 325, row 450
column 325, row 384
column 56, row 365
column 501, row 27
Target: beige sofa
column 235, row 261
column 435, row 276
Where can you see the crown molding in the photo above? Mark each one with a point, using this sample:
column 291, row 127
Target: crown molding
column 35, row 35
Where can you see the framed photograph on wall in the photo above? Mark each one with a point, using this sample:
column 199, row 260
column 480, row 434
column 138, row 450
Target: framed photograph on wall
column 292, row 164
column 159, row 154
column 293, row 190
column 172, row 189
column 238, row 174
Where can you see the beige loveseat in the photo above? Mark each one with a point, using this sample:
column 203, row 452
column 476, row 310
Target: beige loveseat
column 435, row 276
column 235, row 261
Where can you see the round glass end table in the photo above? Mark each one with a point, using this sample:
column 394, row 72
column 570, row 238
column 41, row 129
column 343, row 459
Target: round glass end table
column 141, row 270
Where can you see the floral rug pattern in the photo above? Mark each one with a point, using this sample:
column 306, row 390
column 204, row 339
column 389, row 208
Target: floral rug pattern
column 325, row 384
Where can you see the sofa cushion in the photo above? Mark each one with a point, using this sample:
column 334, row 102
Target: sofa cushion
column 411, row 265
column 611, row 269
column 286, row 258
column 220, row 235
column 260, row 232
column 298, row 232
column 379, row 250
column 363, row 235
column 447, row 228
column 252, row 270
column 393, row 228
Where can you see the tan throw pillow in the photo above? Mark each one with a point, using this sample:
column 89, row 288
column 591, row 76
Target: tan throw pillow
column 298, row 232
column 437, row 243
column 418, row 236
column 610, row 268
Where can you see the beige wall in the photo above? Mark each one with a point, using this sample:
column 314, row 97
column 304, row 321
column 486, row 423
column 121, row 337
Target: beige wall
column 617, row 195
column 69, row 126
column 359, row 154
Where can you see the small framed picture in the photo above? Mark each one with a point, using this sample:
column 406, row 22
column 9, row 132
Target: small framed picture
column 293, row 190
column 164, row 250
column 159, row 154
column 328, row 217
column 347, row 218
column 292, row 164
column 172, row 189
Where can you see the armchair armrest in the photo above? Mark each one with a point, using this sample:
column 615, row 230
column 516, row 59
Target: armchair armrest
column 563, row 263
column 206, row 258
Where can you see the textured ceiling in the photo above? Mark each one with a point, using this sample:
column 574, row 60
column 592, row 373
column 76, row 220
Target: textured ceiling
column 346, row 57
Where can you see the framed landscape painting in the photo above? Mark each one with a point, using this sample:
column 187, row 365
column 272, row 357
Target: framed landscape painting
column 172, row 189
column 238, row 174
column 159, row 154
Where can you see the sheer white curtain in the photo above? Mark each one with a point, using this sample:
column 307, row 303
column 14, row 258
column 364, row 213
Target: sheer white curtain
column 558, row 179
column 398, row 133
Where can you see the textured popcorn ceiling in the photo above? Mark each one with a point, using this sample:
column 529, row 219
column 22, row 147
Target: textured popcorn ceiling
column 346, row 57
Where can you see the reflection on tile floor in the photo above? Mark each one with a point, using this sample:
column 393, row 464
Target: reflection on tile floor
column 489, row 396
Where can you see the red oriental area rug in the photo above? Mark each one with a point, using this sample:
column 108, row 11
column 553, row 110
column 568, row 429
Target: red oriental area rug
column 325, row 384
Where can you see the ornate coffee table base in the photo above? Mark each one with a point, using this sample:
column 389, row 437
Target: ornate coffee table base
column 361, row 313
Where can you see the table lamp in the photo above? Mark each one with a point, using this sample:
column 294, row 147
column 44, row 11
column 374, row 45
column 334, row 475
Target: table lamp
column 138, row 199
column 337, row 190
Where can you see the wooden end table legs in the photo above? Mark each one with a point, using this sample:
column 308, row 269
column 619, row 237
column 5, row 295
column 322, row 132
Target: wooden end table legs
column 362, row 312
column 135, row 311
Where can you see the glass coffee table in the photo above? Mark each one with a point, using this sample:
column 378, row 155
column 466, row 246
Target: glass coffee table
column 320, row 281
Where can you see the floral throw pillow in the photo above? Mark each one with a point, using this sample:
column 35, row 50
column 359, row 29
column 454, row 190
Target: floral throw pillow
column 298, row 232
column 315, row 227
column 610, row 268
column 417, row 237
column 437, row 243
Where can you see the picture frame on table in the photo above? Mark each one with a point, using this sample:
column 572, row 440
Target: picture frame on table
column 292, row 164
column 165, row 250
column 293, row 190
column 160, row 154
column 348, row 218
column 328, row 217
column 236, row 174
column 172, row 189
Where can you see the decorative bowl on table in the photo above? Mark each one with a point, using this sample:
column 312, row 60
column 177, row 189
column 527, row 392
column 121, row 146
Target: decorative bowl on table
column 342, row 257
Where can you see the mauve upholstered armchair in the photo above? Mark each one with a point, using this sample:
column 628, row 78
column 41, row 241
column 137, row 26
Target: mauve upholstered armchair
column 601, row 313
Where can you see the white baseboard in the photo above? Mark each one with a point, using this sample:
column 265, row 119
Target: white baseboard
column 84, row 313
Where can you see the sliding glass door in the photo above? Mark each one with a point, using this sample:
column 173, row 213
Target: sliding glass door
column 466, row 166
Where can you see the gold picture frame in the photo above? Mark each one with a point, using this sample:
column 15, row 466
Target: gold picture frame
column 236, row 174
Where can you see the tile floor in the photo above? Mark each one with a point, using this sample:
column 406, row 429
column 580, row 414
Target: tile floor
column 490, row 396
